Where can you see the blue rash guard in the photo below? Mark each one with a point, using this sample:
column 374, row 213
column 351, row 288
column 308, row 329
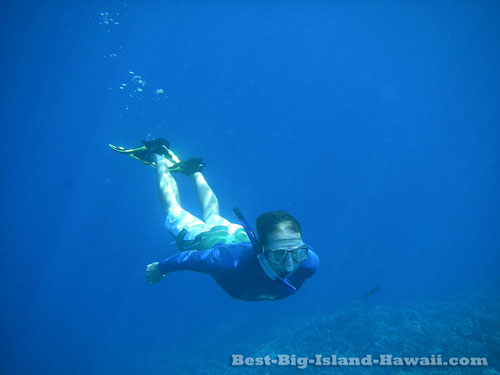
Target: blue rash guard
column 236, row 269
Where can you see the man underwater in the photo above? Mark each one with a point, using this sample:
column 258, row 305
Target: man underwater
column 271, row 267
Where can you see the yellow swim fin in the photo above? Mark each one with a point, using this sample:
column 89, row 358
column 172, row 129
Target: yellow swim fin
column 145, row 153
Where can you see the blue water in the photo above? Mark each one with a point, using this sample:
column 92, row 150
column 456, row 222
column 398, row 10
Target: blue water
column 376, row 124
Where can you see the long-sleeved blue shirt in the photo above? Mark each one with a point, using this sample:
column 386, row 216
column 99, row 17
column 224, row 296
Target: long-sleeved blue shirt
column 237, row 270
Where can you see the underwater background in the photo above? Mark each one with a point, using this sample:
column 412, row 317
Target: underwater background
column 375, row 123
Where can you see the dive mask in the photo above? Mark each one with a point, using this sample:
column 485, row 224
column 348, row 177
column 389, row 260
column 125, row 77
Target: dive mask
column 277, row 254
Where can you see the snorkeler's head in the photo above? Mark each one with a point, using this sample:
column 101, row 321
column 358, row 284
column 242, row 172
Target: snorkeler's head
column 277, row 225
column 281, row 238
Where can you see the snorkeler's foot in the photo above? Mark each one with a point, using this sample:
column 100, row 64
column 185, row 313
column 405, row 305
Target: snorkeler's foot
column 158, row 146
column 188, row 167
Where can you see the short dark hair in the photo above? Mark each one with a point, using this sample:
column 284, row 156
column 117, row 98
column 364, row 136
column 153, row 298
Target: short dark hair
column 270, row 221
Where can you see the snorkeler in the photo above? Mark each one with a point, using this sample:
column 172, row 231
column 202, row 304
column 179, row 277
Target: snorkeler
column 271, row 267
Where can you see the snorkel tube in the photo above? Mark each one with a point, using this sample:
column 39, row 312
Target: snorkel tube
column 259, row 252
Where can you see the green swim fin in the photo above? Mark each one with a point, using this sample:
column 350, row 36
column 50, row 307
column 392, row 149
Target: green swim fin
column 145, row 154
column 140, row 153
column 188, row 167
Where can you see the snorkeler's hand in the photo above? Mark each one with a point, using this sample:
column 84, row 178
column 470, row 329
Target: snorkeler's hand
column 153, row 273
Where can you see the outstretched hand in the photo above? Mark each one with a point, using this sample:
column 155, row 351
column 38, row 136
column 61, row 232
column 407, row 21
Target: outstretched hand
column 153, row 273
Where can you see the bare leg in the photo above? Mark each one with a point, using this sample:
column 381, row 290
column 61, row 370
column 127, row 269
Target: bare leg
column 206, row 196
column 167, row 186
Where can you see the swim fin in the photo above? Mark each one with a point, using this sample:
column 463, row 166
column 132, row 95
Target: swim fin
column 188, row 167
column 145, row 154
column 139, row 153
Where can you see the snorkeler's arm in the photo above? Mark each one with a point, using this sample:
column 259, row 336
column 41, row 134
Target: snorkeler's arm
column 214, row 261
column 310, row 266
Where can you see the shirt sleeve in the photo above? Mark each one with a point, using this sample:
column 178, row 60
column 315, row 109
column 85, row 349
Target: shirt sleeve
column 311, row 265
column 215, row 261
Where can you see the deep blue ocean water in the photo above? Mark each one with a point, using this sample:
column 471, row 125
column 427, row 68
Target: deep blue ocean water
column 376, row 124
